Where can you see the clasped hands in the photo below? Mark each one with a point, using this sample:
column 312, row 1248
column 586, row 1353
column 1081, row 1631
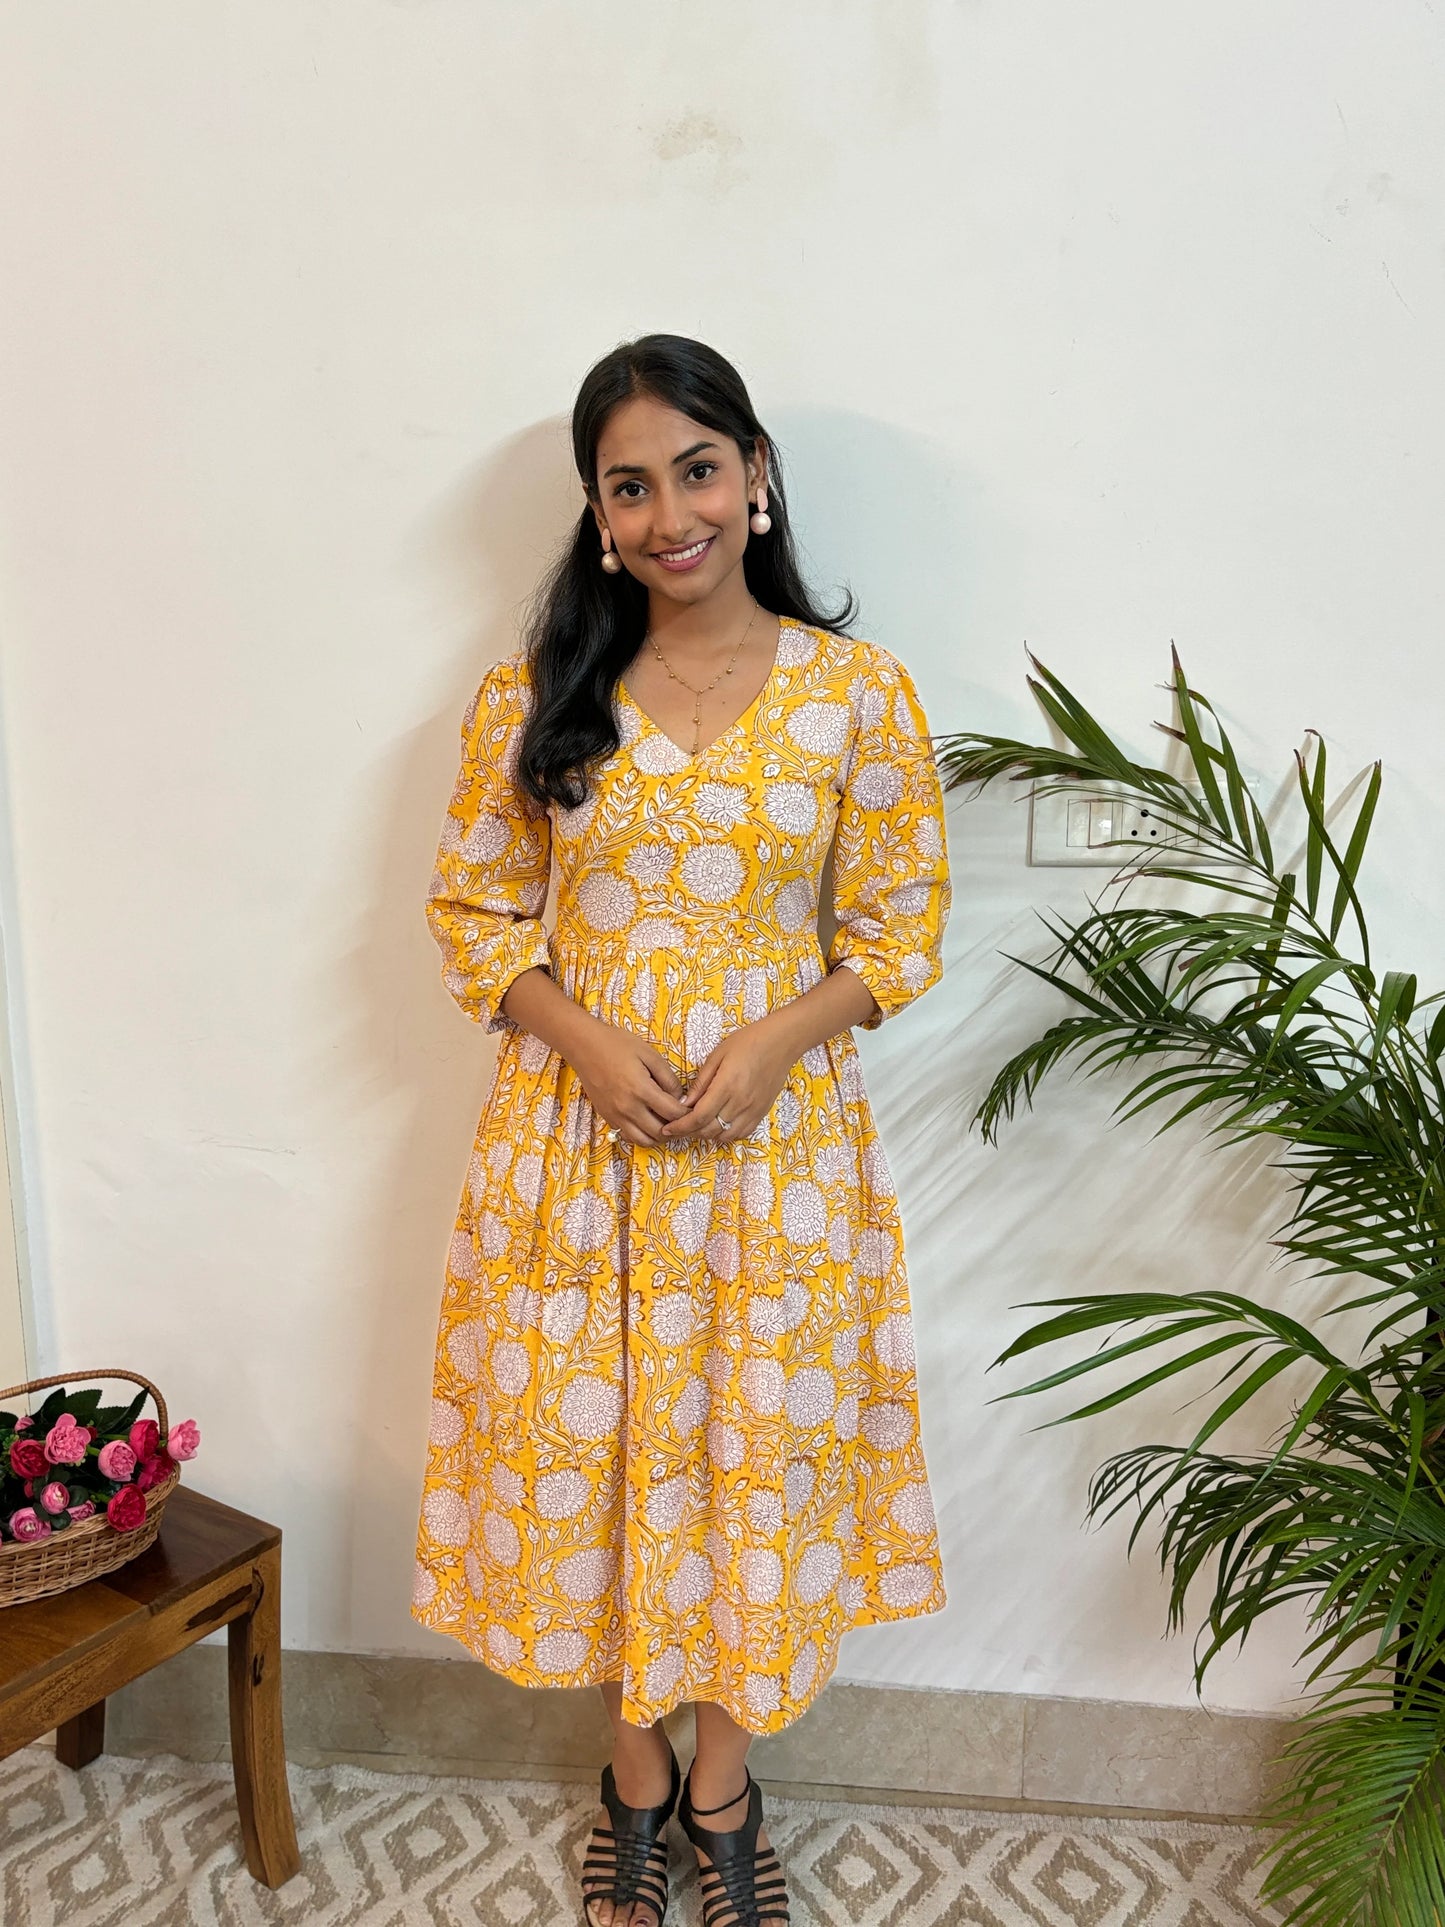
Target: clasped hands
column 632, row 1085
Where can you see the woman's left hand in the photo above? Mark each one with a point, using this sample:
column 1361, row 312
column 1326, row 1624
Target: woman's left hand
column 737, row 1080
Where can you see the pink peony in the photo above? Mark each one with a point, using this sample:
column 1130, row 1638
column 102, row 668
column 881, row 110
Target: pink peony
column 126, row 1509
column 116, row 1460
column 185, row 1439
column 26, row 1524
column 84, row 1510
column 152, row 1471
column 55, row 1497
column 145, row 1438
column 66, row 1441
column 27, row 1459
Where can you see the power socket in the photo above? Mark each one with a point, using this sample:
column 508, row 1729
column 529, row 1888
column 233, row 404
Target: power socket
column 1079, row 824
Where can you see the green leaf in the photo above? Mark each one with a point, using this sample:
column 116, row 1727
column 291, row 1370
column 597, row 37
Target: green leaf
column 1355, row 850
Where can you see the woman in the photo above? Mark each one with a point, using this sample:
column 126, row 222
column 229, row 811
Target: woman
column 675, row 1448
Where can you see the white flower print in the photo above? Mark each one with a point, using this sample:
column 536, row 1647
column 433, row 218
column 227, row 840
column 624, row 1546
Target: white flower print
column 462, row 1348
column 664, row 1674
column 726, row 1445
column 876, row 1170
column 757, row 1190
column 723, row 805
column 665, row 1503
column 797, row 645
column 852, row 1595
column 802, row 1672
column 765, row 1512
column 763, row 1693
column 586, row 1575
column 651, row 934
column 564, row 1312
column 840, row 1238
column 805, row 1216
column 887, row 1428
column 587, row 1221
column 725, row 1620
column 462, row 1257
column 511, row 1366
column 692, row 1404
column 703, row 1028
column 504, row 1647
column 447, row 1423
column 563, row 1494
column 906, row 1585
column 488, row 838
column 874, row 1258
column 845, row 1419
column 713, row 873
column 643, row 995
column 912, row 1508
column 591, row 1407
column 769, row 1318
column 876, row 786
column 761, row 1380
column 791, row 808
column 423, row 1586
column 844, row 1348
column 524, row 1303
column 787, row 1111
column 674, row 1314
column 692, row 1583
column 798, row 1482
column 689, row 1220
column 817, row 1571
column 606, row 900
column 527, row 1180
column 476, row 1573
column 493, row 1234
column 508, row 1487
column 893, row 1342
column 562, row 1651
column 762, row 1572
column 446, row 1517
column 757, row 999
column 722, row 1251
column 501, row 1538
column 811, row 1396
column 796, row 905
column 650, row 863
column 819, row 727
column 655, row 755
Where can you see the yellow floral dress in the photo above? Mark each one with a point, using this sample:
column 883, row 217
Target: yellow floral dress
column 675, row 1430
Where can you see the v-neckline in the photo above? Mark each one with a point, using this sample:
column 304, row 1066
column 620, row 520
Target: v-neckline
column 696, row 756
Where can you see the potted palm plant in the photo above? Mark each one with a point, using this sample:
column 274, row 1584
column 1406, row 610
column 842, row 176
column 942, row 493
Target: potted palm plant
column 1256, row 1010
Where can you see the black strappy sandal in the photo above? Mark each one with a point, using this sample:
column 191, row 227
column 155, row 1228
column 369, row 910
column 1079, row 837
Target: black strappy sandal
column 732, row 1893
column 628, row 1861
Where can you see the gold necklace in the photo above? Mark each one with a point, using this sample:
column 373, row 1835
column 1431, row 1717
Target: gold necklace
column 700, row 693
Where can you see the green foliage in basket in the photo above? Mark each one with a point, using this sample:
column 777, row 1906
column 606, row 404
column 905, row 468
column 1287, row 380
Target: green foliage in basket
column 73, row 1457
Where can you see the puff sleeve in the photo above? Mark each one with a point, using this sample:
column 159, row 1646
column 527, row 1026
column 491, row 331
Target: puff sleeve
column 489, row 886
column 891, row 888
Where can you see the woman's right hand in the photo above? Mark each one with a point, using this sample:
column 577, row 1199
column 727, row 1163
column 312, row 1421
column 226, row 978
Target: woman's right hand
column 628, row 1081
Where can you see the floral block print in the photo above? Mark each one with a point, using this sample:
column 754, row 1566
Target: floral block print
column 675, row 1433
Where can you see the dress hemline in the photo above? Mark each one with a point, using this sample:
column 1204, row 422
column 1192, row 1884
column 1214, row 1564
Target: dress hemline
column 739, row 1714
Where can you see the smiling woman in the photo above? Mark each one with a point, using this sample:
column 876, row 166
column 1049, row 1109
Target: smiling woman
column 676, row 1449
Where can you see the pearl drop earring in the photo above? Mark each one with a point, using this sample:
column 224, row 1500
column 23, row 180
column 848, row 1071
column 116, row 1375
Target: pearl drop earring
column 612, row 563
column 760, row 521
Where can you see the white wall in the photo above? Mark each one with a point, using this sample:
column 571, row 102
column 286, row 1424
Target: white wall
column 1090, row 327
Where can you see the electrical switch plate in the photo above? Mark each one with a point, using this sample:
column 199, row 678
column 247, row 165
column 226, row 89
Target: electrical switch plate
column 1098, row 823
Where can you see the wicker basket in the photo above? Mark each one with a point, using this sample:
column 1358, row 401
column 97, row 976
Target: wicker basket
column 91, row 1546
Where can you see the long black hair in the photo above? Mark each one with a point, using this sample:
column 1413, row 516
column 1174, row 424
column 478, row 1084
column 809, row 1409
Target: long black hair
column 587, row 625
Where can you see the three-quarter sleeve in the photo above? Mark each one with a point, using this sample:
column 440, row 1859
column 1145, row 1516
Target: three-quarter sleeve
column 891, row 889
column 488, row 889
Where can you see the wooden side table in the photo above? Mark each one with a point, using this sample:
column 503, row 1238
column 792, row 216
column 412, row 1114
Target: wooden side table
column 209, row 1566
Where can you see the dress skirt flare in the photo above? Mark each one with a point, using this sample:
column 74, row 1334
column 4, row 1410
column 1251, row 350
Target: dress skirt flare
column 675, row 1429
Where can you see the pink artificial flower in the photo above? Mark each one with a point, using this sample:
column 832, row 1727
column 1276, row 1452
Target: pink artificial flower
column 126, row 1509
column 55, row 1497
column 66, row 1441
column 27, row 1459
column 84, row 1510
column 145, row 1438
column 24, row 1424
column 26, row 1524
column 116, row 1460
column 152, row 1471
column 185, row 1439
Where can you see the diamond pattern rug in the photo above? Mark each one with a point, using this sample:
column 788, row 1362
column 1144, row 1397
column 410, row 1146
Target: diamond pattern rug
column 155, row 1843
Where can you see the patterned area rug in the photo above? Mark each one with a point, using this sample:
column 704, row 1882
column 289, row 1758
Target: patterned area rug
column 155, row 1843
